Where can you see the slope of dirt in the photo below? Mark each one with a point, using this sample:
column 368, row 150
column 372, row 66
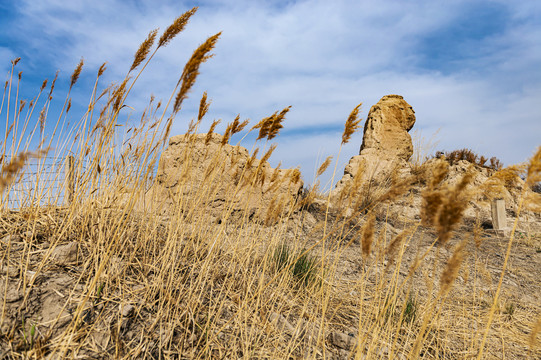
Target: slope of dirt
column 125, row 322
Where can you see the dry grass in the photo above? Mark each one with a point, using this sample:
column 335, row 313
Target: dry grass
column 181, row 285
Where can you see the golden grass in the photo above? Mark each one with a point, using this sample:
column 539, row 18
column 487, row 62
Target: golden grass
column 352, row 124
column 199, row 278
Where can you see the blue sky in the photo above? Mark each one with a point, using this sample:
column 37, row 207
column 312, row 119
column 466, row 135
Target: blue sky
column 470, row 69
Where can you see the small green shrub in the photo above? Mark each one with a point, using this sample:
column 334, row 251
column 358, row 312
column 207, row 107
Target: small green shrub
column 305, row 269
column 303, row 266
column 281, row 256
column 410, row 311
column 510, row 309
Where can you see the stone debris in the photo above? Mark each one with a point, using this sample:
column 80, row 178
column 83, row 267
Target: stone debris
column 341, row 340
column 281, row 323
column 128, row 310
column 65, row 254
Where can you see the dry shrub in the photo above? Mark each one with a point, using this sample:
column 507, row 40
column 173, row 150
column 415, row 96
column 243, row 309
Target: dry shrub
column 452, row 157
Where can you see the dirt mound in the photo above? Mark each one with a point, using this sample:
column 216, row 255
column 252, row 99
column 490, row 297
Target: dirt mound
column 206, row 169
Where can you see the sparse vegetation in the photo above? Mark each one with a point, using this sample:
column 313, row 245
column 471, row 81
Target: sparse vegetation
column 452, row 157
column 113, row 275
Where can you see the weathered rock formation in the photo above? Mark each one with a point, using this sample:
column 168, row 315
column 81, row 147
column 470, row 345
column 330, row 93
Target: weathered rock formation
column 386, row 129
column 386, row 145
column 222, row 178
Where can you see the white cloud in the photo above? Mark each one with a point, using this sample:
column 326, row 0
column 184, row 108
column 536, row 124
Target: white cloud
column 321, row 57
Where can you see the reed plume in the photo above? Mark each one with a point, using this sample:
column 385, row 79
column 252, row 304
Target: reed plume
column 259, row 173
column 450, row 272
column 535, row 330
column 268, row 154
column 102, row 69
column 118, row 95
column 393, row 246
column 238, row 126
column 277, row 123
column 532, row 199
column 50, row 96
column 295, row 176
column 144, row 50
column 533, row 172
column 368, row 235
column 276, row 172
column 211, row 130
column 10, row 169
column 498, row 182
column 203, row 106
column 191, row 69
column 352, row 124
column 271, row 125
column 178, row 26
column 451, row 211
column 433, row 196
column 76, row 73
column 324, row 166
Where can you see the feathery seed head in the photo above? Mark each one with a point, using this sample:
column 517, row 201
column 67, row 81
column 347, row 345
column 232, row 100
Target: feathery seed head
column 41, row 120
column 533, row 172
column 76, row 73
column 535, row 330
column 352, row 124
column 22, row 104
column 276, row 173
column 268, row 154
column 15, row 61
column 264, row 125
column 276, row 124
column 238, row 126
column 9, row 171
column 178, row 26
column 52, row 86
column 271, row 125
column 211, row 130
column 228, row 132
column 191, row 69
column 368, row 235
column 102, row 69
column 167, row 129
column 144, row 49
column 393, row 246
column 323, row 167
column 118, row 94
column 455, row 201
column 203, row 106
column 450, row 272
column 251, row 159
column 43, row 85
column 295, row 176
column 432, row 200
column 439, row 172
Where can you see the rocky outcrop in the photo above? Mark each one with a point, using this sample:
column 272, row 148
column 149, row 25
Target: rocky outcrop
column 386, row 145
column 222, row 178
column 386, row 129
